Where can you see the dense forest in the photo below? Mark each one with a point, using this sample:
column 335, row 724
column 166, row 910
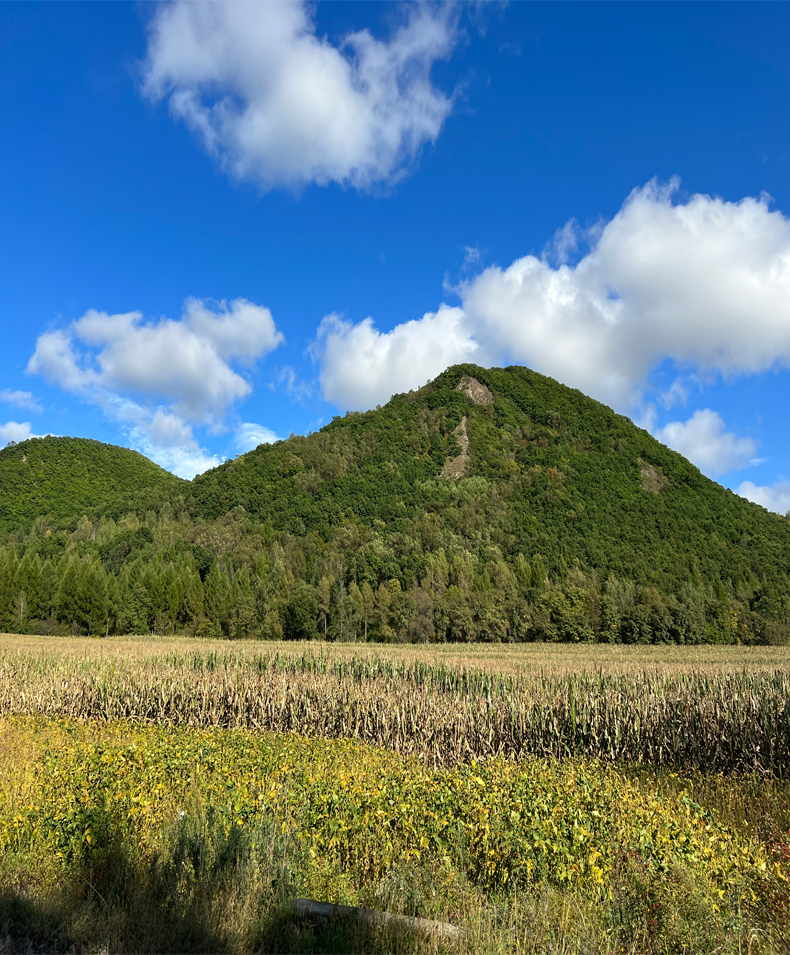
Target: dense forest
column 492, row 504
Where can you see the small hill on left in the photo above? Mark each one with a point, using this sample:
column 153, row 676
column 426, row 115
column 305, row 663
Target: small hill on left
column 67, row 478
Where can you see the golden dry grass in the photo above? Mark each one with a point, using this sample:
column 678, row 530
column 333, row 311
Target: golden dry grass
column 713, row 709
column 512, row 659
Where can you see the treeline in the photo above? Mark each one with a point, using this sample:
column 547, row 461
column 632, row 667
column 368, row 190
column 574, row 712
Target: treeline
column 561, row 521
column 238, row 579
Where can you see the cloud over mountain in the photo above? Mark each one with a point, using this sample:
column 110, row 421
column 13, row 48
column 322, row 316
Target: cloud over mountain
column 773, row 497
column 14, row 431
column 703, row 440
column 702, row 282
column 159, row 378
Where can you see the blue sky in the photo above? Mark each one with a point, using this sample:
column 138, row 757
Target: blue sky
column 220, row 224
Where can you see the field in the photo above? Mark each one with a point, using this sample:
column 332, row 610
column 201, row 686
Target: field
column 510, row 659
column 176, row 795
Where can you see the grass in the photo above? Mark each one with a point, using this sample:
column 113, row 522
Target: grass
column 510, row 659
column 154, row 796
column 138, row 838
column 679, row 718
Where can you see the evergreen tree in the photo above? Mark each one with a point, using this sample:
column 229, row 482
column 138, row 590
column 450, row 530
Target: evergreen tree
column 27, row 588
column 193, row 595
column 242, row 605
column 49, row 589
column 67, row 600
column 217, row 598
column 91, row 604
column 7, row 575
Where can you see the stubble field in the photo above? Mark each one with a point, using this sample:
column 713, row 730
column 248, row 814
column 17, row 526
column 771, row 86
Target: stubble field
column 175, row 794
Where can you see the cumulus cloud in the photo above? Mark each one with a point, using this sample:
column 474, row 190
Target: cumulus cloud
column 704, row 283
column 249, row 435
column 773, row 497
column 21, row 399
column 703, row 440
column 183, row 461
column 361, row 366
column 185, row 361
column 279, row 105
column 160, row 435
column 159, row 378
column 14, row 431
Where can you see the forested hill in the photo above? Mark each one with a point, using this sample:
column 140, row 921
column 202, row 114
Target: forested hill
column 64, row 479
column 492, row 504
column 548, row 471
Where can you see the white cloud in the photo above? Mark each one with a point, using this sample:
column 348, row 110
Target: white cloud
column 278, row 105
column 56, row 359
column 703, row 440
column 14, row 431
column 289, row 382
column 183, row 461
column 774, row 497
column 566, row 241
column 160, row 435
column 679, row 391
column 244, row 332
column 21, row 399
column 249, row 435
column 186, row 362
column 159, row 378
column 704, row 283
column 362, row 367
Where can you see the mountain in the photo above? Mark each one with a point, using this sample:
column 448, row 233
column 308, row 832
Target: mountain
column 543, row 470
column 489, row 504
column 68, row 478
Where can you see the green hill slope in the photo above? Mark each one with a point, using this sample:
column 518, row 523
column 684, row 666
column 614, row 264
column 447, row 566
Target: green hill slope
column 492, row 504
column 68, row 478
column 550, row 472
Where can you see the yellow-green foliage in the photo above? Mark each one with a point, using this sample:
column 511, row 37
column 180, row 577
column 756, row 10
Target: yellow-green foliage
column 358, row 809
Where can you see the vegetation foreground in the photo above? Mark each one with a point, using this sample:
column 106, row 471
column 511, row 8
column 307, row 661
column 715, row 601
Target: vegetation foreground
column 142, row 838
column 443, row 714
column 175, row 819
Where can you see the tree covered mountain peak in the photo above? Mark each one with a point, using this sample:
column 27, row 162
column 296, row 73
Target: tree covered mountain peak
column 488, row 504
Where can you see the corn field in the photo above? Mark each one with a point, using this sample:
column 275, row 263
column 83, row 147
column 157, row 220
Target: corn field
column 446, row 716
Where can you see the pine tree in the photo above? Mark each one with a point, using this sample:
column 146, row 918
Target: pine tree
column 193, row 595
column 7, row 575
column 49, row 589
column 217, row 598
column 92, row 597
column 155, row 584
column 66, row 600
column 242, row 605
column 113, row 602
column 27, row 588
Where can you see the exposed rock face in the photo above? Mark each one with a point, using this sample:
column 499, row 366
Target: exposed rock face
column 475, row 390
column 457, row 467
column 652, row 479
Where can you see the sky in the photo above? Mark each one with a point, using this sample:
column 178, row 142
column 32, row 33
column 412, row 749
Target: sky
column 224, row 223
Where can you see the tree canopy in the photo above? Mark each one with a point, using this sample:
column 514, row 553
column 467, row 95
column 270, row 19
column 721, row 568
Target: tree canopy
column 492, row 504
